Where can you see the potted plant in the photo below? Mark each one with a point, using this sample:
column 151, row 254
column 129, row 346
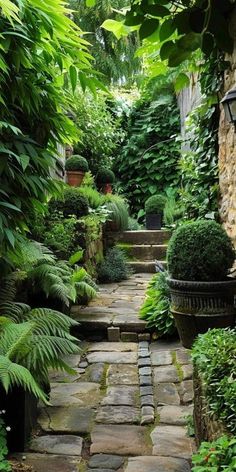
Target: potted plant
column 199, row 257
column 104, row 179
column 76, row 166
column 154, row 207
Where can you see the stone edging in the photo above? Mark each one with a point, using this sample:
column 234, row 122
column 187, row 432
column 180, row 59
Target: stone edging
column 145, row 384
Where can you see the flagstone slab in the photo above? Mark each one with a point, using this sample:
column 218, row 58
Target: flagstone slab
column 174, row 414
column 80, row 393
column 162, row 345
column 123, row 440
column 73, row 419
column 166, row 373
column 94, row 320
column 99, row 461
column 161, row 358
column 167, row 394
column 121, row 395
column 118, row 415
column 49, row 463
column 60, row 444
column 122, row 374
column 183, row 356
column 113, row 357
column 156, row 464
column 59, row 376
column 128, row 321
column 186, row 390
column 113, row 346
column 171, row 441
column 187, row 371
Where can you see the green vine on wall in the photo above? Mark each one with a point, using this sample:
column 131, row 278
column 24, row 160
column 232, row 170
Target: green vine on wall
column 199, row 166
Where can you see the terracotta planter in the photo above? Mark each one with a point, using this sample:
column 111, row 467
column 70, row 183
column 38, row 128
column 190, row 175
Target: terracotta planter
column 74, row 178
column 154, row 221
column 199, row 306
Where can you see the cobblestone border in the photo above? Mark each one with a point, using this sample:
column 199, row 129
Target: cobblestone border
column 145, row 384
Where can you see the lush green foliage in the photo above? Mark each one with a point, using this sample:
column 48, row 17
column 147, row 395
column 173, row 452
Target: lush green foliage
column 4, row 464
column 113, row 58
column 201, row 250
column 99, row 131
column 177, row 30
column 78, row 163
column 199, row 165
column 93, row 196
column 147, row 162
column 219, row 455
column 133, row 224
column 214, row 355
column 60, row 234
column 216, row 456
column 71, row 202
column 119, row 215
column 44, row 53
column 156, row 307
column 105, row 176
column 155, row 204
column 114, row 267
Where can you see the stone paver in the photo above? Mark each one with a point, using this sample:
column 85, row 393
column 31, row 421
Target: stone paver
column 126, row 374
column 171, row 441
column 157, row 464
column 120, row 389
column 61, row 444
column 113, row 357
column 119, row 439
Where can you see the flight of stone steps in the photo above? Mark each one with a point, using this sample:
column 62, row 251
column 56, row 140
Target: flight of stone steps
column 143, row 247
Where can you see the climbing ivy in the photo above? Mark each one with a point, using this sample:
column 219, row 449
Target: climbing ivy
column 199, row 166
column 147, row 163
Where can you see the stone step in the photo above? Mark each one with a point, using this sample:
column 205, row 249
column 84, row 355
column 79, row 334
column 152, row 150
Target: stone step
column 146, row 252
column 144, row 266
column 140, row 237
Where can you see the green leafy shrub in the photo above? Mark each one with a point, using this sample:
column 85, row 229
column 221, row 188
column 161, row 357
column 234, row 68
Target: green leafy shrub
column 201, row 250
column 216, row 456
column 93, row 196
column 155, row 204
column 4, row 464
column 62, row 236
column 133, row 224
column 71, row 203
column 77, row 163
column 214, row 355
column 105, row 176
column 119, row 214
column 156, row 307
column 114, row 267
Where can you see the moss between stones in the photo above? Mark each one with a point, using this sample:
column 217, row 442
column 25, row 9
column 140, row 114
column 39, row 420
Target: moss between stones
column 177, row 366
column 103, row 383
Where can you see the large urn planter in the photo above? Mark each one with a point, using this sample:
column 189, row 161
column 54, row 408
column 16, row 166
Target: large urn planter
column 199, row 306
column 76, row 167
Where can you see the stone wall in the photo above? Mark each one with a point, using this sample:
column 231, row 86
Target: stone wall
column 227, row 153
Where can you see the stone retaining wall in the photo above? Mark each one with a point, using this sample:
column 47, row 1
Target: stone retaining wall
column 207, row 428
column 227, row 153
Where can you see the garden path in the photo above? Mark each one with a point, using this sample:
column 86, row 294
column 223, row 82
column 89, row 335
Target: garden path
column 125, row 409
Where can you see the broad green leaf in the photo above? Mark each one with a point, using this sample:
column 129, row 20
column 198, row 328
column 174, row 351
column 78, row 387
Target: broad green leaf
column 156, row 10
column 73, row 77
column 133, row 20
column 90, row 3
column 118, row 28
column 166, row 49
column 167, row 28
column 181, row 82
column 76, row 257
column 148, row 27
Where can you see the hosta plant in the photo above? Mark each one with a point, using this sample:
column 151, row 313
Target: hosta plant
column 216, row 456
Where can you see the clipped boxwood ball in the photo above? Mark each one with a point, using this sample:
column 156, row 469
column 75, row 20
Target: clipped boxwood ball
column 105, row 176
column 155, row 204
column 72, row 203
column 77, row 163
column 200, row 251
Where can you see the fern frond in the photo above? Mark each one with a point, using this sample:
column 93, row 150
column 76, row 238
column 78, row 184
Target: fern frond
column 30, row 253
column 13, row 310
column 8, row 288
column 50, row 322
column 84, row 289
column 14, row 374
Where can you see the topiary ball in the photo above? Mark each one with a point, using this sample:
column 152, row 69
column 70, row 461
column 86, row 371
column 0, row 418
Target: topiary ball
column 155, row 204
column 105, row 176
column 200, row 251
column 76, row 163
column 71, row 203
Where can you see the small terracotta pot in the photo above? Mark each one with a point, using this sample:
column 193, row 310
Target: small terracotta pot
column 74, row 178
column 106, row 188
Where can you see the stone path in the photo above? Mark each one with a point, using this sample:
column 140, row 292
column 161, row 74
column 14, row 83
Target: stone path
column 125, row 410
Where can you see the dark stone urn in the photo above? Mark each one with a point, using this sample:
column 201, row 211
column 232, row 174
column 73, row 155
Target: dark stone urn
column 199, row 306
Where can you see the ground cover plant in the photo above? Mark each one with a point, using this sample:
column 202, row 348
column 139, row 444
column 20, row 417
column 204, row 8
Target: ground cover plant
column 156, row 307
column 214, row 355
column 216, row 456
